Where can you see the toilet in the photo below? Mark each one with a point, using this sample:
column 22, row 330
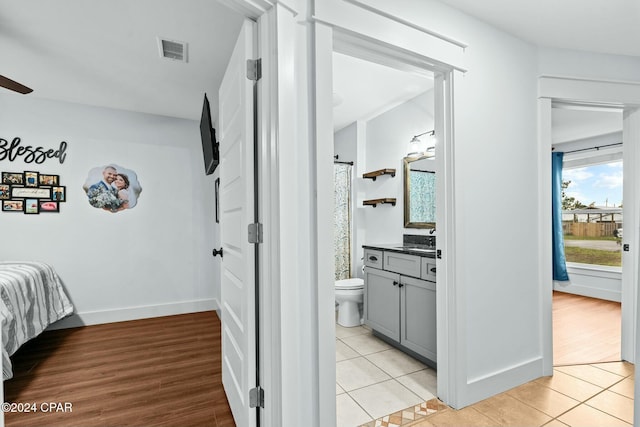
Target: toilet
column 349, row 296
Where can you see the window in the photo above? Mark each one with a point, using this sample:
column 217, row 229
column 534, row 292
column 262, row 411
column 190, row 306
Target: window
column 592, row 211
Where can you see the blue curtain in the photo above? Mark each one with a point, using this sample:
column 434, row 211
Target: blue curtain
column 559, row 260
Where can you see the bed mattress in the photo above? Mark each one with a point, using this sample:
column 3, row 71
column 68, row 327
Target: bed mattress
column 31, row 298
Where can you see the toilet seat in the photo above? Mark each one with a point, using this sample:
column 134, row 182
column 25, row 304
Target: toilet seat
column 347, row 284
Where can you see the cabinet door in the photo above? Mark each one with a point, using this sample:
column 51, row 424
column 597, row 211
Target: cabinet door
column 418, row 316
column 382, row 302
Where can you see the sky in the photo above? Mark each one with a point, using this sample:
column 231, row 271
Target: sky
column 601, row 184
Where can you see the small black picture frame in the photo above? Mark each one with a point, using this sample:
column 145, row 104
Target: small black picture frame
column 49, row 180
column 59, row 193
column 31, row 207
column 5, row 191
column 217, row 187
column 13, row 178
column 47, row 206
column 13, row 206
column 31, row 179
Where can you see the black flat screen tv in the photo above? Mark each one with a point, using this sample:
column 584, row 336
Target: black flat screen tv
column 208, row 135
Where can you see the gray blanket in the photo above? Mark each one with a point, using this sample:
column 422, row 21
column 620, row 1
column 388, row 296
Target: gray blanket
column 31, row 298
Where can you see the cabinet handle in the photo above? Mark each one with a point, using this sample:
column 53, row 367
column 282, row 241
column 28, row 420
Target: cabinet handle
column 400, row 285
column 373, row 258
column 395, row 283
column 433, row 270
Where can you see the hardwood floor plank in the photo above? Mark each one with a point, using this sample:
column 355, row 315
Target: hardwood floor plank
column 585, row 330
column 153, row 372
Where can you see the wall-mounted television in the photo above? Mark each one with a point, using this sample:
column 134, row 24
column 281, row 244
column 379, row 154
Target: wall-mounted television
column 208, row 135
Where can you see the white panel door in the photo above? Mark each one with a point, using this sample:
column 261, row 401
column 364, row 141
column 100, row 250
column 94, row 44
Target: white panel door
column 236, row 213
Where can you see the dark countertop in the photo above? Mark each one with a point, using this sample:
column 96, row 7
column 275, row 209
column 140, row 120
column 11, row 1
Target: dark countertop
column 407, row 248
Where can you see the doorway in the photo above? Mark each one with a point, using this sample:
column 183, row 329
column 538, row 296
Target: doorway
column 377, row 111
column 601, row 94
column 587, row 306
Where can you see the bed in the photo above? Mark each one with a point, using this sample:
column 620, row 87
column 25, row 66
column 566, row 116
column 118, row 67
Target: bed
column 31, row 298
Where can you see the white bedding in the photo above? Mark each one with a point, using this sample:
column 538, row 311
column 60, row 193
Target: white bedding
column 31, row 298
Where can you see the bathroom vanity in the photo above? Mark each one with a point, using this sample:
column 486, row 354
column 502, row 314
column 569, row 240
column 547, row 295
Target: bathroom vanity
column 400, row 297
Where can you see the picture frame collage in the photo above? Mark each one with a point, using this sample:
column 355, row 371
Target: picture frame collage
column 31, row 192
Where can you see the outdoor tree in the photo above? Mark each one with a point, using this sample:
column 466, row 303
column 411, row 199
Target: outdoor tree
column 570, row 203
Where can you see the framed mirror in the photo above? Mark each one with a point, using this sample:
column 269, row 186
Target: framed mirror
column 420, row 191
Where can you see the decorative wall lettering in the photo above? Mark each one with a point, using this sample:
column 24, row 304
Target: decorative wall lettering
column 112, row 188
column 31, row 192
column 30, row 154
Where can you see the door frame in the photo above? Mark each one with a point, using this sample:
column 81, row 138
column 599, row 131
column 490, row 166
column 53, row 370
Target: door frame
column 450, row 343
column 295, row 123
column 590, row 92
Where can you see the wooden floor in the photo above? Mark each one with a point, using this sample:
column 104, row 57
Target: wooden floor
column 155, row 372
column 585, row 330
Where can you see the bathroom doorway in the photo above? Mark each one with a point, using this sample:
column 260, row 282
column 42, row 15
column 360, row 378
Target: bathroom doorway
column 377, row 112
column 587, row 318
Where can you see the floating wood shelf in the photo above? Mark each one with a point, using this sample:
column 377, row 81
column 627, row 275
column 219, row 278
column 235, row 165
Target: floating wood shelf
column 373, row 175
column 374, row 202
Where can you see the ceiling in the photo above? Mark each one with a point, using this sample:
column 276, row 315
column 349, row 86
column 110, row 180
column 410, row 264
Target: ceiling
column 362, row 89
column 603, row 26
column 105, row 53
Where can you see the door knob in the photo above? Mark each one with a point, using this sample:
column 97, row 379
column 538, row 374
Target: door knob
column 217, row 252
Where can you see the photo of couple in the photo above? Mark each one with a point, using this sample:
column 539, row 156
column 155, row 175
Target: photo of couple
column 112, row 188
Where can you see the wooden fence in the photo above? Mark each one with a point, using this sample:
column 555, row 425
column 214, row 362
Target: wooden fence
column 589, row 229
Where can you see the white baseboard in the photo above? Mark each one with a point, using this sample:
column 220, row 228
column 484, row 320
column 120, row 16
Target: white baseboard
column 498, row 382
column 135, row 313
column 588, row 291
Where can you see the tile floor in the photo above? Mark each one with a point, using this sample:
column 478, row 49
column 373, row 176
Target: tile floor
column 380, row 386
column 373, row 379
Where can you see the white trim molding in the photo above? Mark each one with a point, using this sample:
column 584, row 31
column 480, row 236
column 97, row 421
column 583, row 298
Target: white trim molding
column 600, row 93
column 252, row 9
column 135, row 313
column 592, row 281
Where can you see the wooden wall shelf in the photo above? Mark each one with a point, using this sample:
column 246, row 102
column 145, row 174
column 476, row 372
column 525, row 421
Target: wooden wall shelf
column 375, row 202
column 373, row 175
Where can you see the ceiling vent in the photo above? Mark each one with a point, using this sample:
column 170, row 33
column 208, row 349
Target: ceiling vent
column 173, row 49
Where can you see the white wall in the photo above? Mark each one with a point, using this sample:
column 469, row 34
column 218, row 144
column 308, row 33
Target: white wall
column 572, row 63
column 388, row 137
column 345, row 143
column 153, row 259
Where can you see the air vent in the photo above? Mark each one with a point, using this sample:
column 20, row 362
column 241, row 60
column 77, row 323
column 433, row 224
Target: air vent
column 173, row 49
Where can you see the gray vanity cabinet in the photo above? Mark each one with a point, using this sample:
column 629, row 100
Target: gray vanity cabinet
column 418, row 316
column 399, row 304
column 381, row 297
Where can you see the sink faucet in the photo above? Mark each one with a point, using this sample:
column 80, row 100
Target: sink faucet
column 433, row 230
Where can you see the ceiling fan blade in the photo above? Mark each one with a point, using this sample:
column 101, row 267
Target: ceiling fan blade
column 14, row 86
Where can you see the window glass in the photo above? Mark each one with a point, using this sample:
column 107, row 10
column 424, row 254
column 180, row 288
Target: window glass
column 592, row 214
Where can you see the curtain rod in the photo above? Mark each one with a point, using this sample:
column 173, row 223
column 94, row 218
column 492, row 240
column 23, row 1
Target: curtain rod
column 336, row 157
column 590, row 148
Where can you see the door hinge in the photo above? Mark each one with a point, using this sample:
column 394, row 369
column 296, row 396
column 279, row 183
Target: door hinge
column 256, row 397
column 254, row 69
column 255, row 233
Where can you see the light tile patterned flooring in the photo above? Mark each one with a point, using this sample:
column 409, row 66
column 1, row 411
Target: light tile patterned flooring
column 374, row 380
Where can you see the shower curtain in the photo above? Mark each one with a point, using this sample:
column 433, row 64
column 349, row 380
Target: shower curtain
column 342, row 215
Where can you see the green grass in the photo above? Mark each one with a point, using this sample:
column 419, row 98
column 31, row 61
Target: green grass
column 592, row 256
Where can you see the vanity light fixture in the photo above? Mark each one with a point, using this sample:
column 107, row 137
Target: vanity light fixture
column 418, row 147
